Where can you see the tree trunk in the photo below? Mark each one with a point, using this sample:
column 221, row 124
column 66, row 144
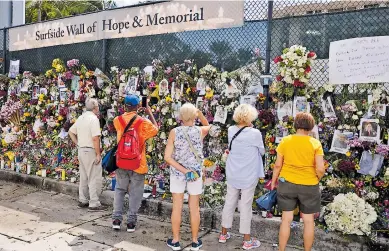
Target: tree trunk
column 39, row 10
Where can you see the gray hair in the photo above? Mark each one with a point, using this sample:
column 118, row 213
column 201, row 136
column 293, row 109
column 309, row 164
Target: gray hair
column 90, row 104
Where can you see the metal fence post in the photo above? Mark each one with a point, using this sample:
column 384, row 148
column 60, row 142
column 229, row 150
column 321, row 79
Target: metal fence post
column 4, row 50
column 268, row 49
column 104, row 56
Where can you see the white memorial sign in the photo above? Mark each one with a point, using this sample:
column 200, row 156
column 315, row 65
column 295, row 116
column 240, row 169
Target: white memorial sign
column 159, row 18
column 359, row 60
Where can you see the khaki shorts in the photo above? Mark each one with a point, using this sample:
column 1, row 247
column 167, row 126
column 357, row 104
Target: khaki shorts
column 290, row 195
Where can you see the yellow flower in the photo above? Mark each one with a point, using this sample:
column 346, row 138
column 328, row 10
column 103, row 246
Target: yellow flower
column 41, row 97
column 357, row 167
column 188, row 91
column 49, row 144
column 60, row 118
column 27, row 114
column 209, row 94
column 169, row 99
column 348, row 154
column 3, row 143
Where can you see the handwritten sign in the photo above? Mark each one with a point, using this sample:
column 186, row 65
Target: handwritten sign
column 359, row 60
column 159, row 18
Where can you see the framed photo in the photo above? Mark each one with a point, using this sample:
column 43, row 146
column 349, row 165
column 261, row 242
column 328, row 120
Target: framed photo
column 220, row 115
column 248, row 99
column 200, row 86
column 132, row 85
column 199, row 103
column 328, row 108
column 280, row 133
column 75, row 83
column 176, row 109
column 370, row 130
column 284, row 109
column 163, row 87
column 76, row 95
column 43, row 91
column 63, row 95
column 122, row 89
column 14, row 68
column 61, row 84
column 300, row 104
column 339, row 142
column 25, row 85
column 35, row 91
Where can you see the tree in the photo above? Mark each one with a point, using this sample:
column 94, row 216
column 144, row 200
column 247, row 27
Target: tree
column 42, row 10
column 221, row 50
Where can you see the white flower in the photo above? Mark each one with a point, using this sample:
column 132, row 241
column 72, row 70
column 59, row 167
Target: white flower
column 328, row 87
column 346, row 127
column 359, row 113
column 114, row 69
column 123, row 78
column 340, row 127
column 162, row 135
column 325, row 120
column 355, row 117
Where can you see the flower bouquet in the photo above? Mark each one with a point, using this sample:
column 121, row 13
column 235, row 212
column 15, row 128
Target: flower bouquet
column 10, row 112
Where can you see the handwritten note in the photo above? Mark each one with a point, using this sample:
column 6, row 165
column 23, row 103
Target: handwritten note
column 359, row 60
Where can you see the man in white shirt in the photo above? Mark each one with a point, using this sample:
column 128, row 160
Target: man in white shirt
column 85, row 133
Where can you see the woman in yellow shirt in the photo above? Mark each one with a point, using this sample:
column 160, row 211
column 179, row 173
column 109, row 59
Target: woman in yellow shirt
column 299, row 168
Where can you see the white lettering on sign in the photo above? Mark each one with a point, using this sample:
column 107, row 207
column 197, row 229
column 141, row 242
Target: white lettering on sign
column 359, row 60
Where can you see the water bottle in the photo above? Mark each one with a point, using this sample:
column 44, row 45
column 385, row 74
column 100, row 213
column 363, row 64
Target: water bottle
column 113, row 183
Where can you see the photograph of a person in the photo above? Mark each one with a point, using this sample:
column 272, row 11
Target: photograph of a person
column 25, row 85
column 340, row 142
column 200, row 85
column 379, row 109
column 163, row 87
column 300, row 104
column 284, row 109
column 35, row 91
column 63, row 95
column 176, row 109
column 199, row 103
column 122, row 89
column 328, row 108
column 61, row 83
column 248, row 99
column 281, row 132
column 220, row 115
column 369, row 130
column 132, row 85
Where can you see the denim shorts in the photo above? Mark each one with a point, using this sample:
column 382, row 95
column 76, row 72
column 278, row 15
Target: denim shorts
column 290, row 195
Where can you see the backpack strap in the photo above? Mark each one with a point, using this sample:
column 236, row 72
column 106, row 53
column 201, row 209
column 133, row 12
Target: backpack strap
column 137, row 123
column 121, row 120
column 236, row 135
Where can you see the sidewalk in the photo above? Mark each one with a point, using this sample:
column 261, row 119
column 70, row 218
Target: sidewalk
column 32, row 219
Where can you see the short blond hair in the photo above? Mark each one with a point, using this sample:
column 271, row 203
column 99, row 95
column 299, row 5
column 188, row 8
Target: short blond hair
column 245, row 114
column 188, row 112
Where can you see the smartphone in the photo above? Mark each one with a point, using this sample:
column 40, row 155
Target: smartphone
column 144, row 101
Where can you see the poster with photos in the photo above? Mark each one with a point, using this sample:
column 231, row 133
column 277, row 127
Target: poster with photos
column 281, row 132
column 248, row 99
column 369, row 130
column 339, row 142
column 35, row 92
column 13, row 68
column 132, row 85
column 300, row 104
column 200, row 103
column 328, row 108
column 375, row 109
column 220, row 114
column 111, row 113
column 163, row 87
column 63, row 94
column 284, row 109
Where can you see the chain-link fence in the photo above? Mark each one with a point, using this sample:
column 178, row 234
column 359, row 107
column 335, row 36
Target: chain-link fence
column 312, row 23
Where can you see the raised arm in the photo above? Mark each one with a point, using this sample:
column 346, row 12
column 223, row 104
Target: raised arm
column 277, row 170
column 205, row 124
column 169, row 152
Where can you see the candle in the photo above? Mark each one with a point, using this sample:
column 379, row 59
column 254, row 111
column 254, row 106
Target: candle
column 28, row 168
column 63, row 175
column 2, row 164
column 43, row 172
column 13, row 166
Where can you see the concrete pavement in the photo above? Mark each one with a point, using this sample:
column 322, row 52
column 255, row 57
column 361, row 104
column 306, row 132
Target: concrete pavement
column 33, row 219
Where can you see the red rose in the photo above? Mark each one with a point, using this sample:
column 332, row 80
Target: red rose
column 272, row 139
column 311, row 54
column 278, row 77
column 278, row 59
column 298, row 83
column 272, row 152
column 308, row 69
column 171, row 79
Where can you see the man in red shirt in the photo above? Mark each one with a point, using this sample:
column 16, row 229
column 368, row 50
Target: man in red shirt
column 127, row 180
